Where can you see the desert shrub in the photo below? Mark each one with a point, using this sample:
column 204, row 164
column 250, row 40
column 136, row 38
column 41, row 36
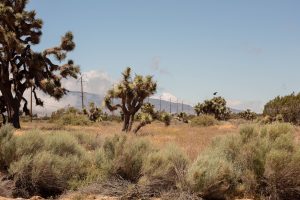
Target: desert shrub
column 29, row 144
column 123, row 157
column 266, row 120
column 287, row 106
column 245, row 164
column 279, row 118
column 69, row 116
column 248, row 115
column 282, row 173
column 46, row 164
column 165, row 118
column 44, row 174
column 213, row 173
column 62, row 144
column 6, row 146
column 87, row 140
column 182, row 116
column 74, row 119
column 167, row 167
column 204, row 120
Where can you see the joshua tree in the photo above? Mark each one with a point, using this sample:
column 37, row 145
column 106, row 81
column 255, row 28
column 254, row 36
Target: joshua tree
column 215, row 106
column 198, row 109
column 166, row 118
column 147, row 115
column 132, row 92
column 21, row 67
column 248, row 115
column 94, row 113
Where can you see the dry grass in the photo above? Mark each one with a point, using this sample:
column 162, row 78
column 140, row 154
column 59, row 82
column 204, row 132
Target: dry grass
column 191, row 139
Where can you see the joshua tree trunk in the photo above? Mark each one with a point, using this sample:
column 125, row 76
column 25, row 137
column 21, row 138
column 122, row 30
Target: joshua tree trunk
column 4, row 119
column 131, row 122
column 126, row 122
column 14, row 114
column 12, row 107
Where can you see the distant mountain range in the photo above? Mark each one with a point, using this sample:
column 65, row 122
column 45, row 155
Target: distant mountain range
column 162, row 105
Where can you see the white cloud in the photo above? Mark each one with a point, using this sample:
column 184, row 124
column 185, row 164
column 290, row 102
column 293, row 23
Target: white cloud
column 50, row 103
column 96, row 82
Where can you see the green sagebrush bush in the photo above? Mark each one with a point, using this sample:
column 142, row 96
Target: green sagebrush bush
column 69, row 116
column 123, row 157
column 165, row 169
column 286, row 106
column 45, row 173
column 45, row 164
column 240, row 165
column 6, row 147
column 204, row 120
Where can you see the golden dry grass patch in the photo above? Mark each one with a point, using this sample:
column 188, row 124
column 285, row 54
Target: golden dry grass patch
column 191, row 139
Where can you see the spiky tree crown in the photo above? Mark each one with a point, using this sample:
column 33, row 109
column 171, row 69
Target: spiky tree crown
column 21, row 67
column 131, row 91
column 216, row 106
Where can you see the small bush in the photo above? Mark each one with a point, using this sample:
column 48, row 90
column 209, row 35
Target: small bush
column 90, row 141
column 45, row 174
column 69, row 116
column 29, row 144
column 46, row 164
column 213, row 173
column 62, row 144
column 74, row 119
column 259, row 161
column 6, row 146
column 123, row 157
column 282, row 173
column 167, row 167
column 266, row 120
column 204, row 120
column 165, row 118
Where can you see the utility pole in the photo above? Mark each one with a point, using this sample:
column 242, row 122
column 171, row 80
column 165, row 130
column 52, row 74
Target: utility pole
column 170, row 107
column 160, row 104
column 31, row 103
column 112, row 100
column 82, row 105
column 182, row 106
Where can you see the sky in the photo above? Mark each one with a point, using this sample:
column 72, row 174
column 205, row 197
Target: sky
column 247, row 51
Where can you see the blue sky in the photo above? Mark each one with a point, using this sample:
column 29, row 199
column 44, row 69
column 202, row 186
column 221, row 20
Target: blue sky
column 248, row 51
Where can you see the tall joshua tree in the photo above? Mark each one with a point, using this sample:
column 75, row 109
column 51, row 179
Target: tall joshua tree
column 132, row 92
column 21, row 67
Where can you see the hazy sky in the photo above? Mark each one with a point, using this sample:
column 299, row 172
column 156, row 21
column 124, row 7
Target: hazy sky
column 248, row 51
